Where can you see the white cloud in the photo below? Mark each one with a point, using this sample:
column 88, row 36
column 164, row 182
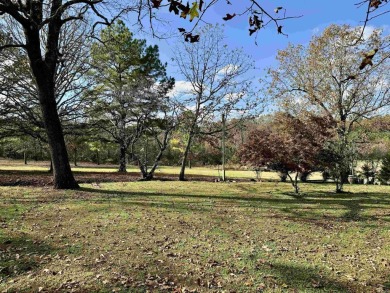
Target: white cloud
column 181, row 87
column 315, row 31
column 368, row 30
column 228, row 69
column 232, row 97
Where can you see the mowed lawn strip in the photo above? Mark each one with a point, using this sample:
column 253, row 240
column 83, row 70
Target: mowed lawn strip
column 199, row 236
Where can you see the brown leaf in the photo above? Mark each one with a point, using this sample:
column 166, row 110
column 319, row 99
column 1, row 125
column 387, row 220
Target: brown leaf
column 277, row 9
column 368, row 58
column 200, row 5
column 375, row 3
column 228, row 16
column 156, row 3
column 251, row 31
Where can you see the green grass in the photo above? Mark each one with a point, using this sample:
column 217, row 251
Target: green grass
column 12, row 165
column 203, row 236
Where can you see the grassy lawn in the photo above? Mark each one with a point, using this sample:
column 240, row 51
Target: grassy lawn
column 8, row 165
column 195, row 237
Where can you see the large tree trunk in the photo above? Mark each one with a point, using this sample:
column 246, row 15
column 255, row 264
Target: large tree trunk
column 63, row 177
column 51, row 166
column 122, row 158
column 185, row 156
column 344, row 170
column 44, row 71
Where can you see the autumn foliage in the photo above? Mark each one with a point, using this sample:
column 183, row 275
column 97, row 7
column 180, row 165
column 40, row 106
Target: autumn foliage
column 288, row 144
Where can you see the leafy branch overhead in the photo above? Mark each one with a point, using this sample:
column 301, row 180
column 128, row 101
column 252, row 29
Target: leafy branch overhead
column 368, row 58
column 188, row 36
column 259, row 17
column 377, row 3
column 183, row 9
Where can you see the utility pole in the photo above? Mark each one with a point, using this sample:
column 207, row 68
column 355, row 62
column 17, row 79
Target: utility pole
column 223, row 145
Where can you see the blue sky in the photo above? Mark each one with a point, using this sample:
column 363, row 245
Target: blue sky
column 316, row 15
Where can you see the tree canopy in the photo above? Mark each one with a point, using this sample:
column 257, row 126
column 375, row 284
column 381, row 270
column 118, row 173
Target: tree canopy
column 130, row 86
column 324, row 78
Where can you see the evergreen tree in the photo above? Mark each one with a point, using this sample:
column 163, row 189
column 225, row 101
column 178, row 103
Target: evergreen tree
column 130, row 86
column 384, row 174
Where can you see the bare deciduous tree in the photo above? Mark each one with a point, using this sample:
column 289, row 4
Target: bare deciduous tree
column 218, row 84
column 20, row 112
column 41, row 24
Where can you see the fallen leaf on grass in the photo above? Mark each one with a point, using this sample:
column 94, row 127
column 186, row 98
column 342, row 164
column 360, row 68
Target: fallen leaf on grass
column 316, row 284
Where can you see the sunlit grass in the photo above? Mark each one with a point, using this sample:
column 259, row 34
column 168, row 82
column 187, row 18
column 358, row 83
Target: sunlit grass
column 204, row 236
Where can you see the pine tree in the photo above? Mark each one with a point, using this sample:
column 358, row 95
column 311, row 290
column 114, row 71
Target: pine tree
column 131, row 85
column 384, row 174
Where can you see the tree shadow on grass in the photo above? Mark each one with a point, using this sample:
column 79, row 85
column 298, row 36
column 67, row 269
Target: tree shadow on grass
column 353, row 204
column 20, row 254
column 303, row 279
column 316, row 206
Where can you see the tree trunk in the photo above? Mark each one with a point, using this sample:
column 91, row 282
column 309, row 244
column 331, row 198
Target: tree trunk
column 75, row 157
column 283, row 176
column 122, row 158
column 339, row 186
column 25, row 157
column 303, row 176
column 223, row 147
column 184, row 160
column 150, row 174
column 344, row 170
column 146, row 155
column 44, row 71
column 294, row 182
column 51, row 166
column 141, row 166
column 63, row 177
column 296, row 187
column 41, row 151
column 144, row 172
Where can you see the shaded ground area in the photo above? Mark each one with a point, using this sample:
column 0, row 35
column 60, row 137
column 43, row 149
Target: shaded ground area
column 41, row 178
column 36, row 173
column 194, row 237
